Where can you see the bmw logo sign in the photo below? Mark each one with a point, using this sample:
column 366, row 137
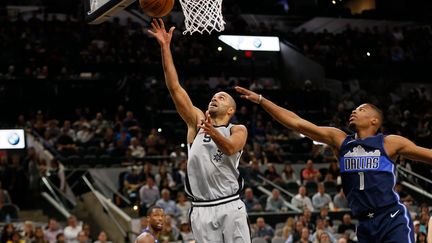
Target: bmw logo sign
column 13, row 139
column 257, row 43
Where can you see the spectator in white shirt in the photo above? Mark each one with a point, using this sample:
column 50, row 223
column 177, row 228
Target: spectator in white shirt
column 71, row 230
column 137, row 151
column 302, row 201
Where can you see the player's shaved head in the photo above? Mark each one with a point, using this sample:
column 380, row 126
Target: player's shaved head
column 231, row 100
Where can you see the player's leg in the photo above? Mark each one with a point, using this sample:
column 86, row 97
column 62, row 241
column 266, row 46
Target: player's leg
column 399, row 226
column 235, row 222
column 205, row 227
column 364, row 231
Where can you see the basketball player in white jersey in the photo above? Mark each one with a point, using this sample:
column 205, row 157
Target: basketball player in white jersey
column 215, row 146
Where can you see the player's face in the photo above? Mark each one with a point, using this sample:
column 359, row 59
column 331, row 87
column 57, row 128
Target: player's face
column 156, row 219
column 361, row 117
column 219, row 104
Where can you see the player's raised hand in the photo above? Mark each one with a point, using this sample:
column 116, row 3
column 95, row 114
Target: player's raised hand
column 158, row 31
column 207, row 125
column 249, row 95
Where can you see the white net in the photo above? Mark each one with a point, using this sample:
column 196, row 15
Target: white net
column 202, row 15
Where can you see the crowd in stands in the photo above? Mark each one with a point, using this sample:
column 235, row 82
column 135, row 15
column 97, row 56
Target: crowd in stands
column 52, row 232
column 75, row 48
column 160, row 181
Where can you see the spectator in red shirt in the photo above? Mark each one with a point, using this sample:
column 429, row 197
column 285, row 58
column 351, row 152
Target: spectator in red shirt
column 309, row 173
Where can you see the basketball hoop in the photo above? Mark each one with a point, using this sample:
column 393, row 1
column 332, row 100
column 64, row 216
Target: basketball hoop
column 202, row 15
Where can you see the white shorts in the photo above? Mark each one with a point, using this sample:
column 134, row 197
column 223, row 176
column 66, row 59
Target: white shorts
column 218, row 222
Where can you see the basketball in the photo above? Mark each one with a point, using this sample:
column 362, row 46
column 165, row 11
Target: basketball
column 156, row 8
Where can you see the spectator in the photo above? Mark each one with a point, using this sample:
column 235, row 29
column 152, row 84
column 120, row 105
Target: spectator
column 61, row 238
column 301, row 200
column 6, row 233
column 333, row 171
column 169, row 206
column 183, row 205
column 71, row 230
column 149, row 194
column 102, row 238
column 252, row 173
column 309, row 173
column 319, row 229
column 15, row 180
column 274, row 202
column 251, row 202
column 131, row 183
column 323, row 214
column 177, row 155
column 86, row 229
column 84, row 134
column 321, row 199
column 99, row 125
column 296, row 235
column 130, row 122
column 4, row 197
column 421, row 238
column 65, row 143
column 137, row 151
column 186, row 232
column 29, row 231
column 346, row 224
column 67, row 130
column 288, row 174
column 52, row 231
column 263, row 230
column 169, row 231
column 164, row 179
column 340, row 200
column 271, row 174
column 39, row 236
column 305, row 236
column 288, row 228
column 146, row 172
column 82, row 237
column 15, row 238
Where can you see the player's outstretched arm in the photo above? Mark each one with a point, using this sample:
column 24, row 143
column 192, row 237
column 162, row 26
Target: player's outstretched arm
column 398, row 145
column 183, row 103
column 328, row 135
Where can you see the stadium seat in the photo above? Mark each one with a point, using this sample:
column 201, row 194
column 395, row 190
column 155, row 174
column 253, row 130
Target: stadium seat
column 330, row 187
column 258, row 240
column 291, row 187
column 9, row 212
column 278, row 240
column 311, row 188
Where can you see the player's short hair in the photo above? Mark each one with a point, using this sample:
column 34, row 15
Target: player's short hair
column 150, row 210
column 378, row 111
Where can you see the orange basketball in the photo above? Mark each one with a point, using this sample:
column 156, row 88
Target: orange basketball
column 156, row 8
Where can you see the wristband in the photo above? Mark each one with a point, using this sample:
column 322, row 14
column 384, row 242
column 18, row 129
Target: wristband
column 259, row 99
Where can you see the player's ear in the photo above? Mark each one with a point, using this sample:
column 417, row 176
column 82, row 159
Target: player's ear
column 374, row 121
column 230, row 111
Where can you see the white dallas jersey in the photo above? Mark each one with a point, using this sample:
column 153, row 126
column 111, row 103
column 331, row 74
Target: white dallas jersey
column 210, row 173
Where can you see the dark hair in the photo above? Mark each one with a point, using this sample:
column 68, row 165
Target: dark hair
column 150, row 210
column 378, row 111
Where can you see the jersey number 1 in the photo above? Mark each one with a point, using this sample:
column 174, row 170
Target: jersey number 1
column 362, row 184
